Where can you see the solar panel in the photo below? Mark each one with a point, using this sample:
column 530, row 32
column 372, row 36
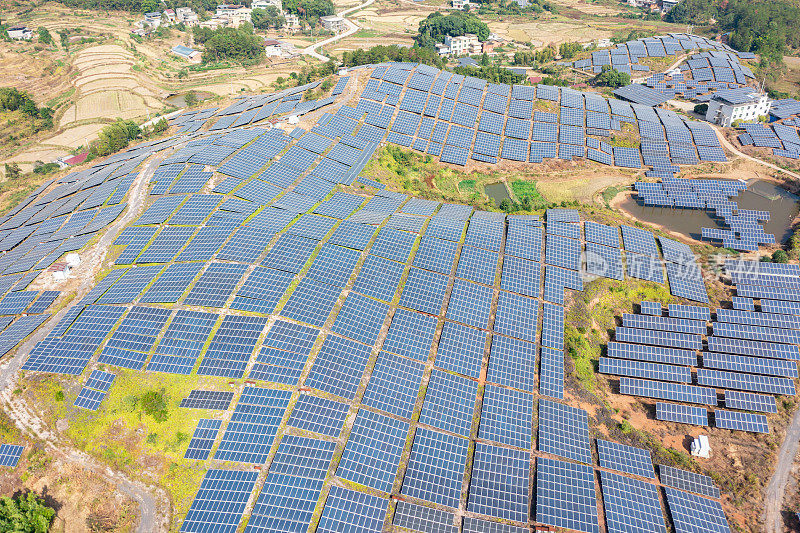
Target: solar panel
column 361, row 318
column 517, row 316
column 735, row 420
column 393, row 244
column 631, row 505
column 749, row 401
column 411, row 334
column 470, row 304
column 693, row 513
column 10, row 454
column 476, row 525
column 373, row 451
column 338, row 367
column 499, row 484
column 203, row 439
column 221, row 501
column 566, row 496
column 208, row 399
column 424, row 291
column 394, row 385
column 318, row 415
column 424, row 519
column 754, row 365
column 182, row 343
column 461, row 349
column 685, row 414
column 299, row 469
column 311, row 302
column 564, row 431
column 232, row 346
column 624, row 458
column 689, row 481
column 449, row 403
column 506, row 417
column 746, row 382
column 659, row 338
column 436, row 468
column 347, row 510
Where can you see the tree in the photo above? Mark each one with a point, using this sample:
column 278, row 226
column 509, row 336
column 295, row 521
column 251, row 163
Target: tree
column 780, row 256
column 235, row 44
column 13, row 171
column 148, row 6
column 264, row 19
column 437, row 26
column 485, row 60
column 611, row 77
column 25, row 513
column 191, row 98
column 114, row 137
column 568, row 50
column 701, row 109
column 44, row 36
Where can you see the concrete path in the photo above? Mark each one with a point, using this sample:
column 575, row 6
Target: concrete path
column 352, row 27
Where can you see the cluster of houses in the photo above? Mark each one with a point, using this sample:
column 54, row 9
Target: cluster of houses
column 226, row 15
column 656, row 6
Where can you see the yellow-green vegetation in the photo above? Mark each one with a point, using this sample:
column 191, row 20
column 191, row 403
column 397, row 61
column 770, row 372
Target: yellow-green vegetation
column 526, row 189
column 15, row 189
column 592, row 316
column 627, row 136
column 421, row 175
column 139, row 428
column 609, row 193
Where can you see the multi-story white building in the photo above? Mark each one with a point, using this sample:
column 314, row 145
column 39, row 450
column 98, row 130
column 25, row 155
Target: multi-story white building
column 272, row 48
column 461, row 4
column 741, row 104
column 187, row 16
column 235, row 13
column 292, row 22
column 333, row 23
column 460, row 45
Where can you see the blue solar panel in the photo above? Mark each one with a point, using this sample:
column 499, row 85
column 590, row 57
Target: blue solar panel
column 566, row 496
column 499, row 485
column 373, row 451
column 348, row 510
column 411, row 334
column 318, row 415
column 436, row 468
column 449, row 403
column 424, row 291
column 338, row 367
column 221, row 501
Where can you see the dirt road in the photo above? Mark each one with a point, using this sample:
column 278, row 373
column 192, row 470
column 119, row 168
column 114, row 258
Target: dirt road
column 352, row 27
column 733, row 149
column 773, row 496
column 154, row 505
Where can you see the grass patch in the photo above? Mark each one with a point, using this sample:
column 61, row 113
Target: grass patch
column 466, row 185
column 527, row 189
column 610, row 192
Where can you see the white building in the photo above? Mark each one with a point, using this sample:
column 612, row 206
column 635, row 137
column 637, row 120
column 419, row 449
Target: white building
column 742, row 104
column 272, row 48
column 152, row 19
column 292, row 22
column 460, row 45
column 187, row 16
column 461, row 4
column 264, row 4
column 666, row 5
column 701, row 447
column 234, row 13
column 333, row 23
column 169, row 15
column 20, row 33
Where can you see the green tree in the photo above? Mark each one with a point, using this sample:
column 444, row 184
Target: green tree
column 611, row 77
column 44, row 36
column 115, row 137
column 568, row 50
column 780, row 256
column 191, row 98
column 264, row 19
column 701, row 109
column 236, row 44
column 485, row 60
column 13, row 171
column 148, row 6
column 25, row 514
column 437, row 26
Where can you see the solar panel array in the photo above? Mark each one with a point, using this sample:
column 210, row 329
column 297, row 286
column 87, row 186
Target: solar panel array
column 744, row 231
column 269, row 275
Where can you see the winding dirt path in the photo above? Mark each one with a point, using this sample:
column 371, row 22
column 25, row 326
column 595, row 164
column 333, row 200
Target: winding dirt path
column 352, row 28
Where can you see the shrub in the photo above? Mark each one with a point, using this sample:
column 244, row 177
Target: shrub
column 25, row 513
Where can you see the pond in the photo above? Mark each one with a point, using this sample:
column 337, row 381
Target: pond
column 760, row 195
column 179, row 100
column 497, row 192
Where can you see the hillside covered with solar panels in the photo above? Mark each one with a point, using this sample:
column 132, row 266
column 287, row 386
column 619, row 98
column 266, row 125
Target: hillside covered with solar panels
column 341, row 356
